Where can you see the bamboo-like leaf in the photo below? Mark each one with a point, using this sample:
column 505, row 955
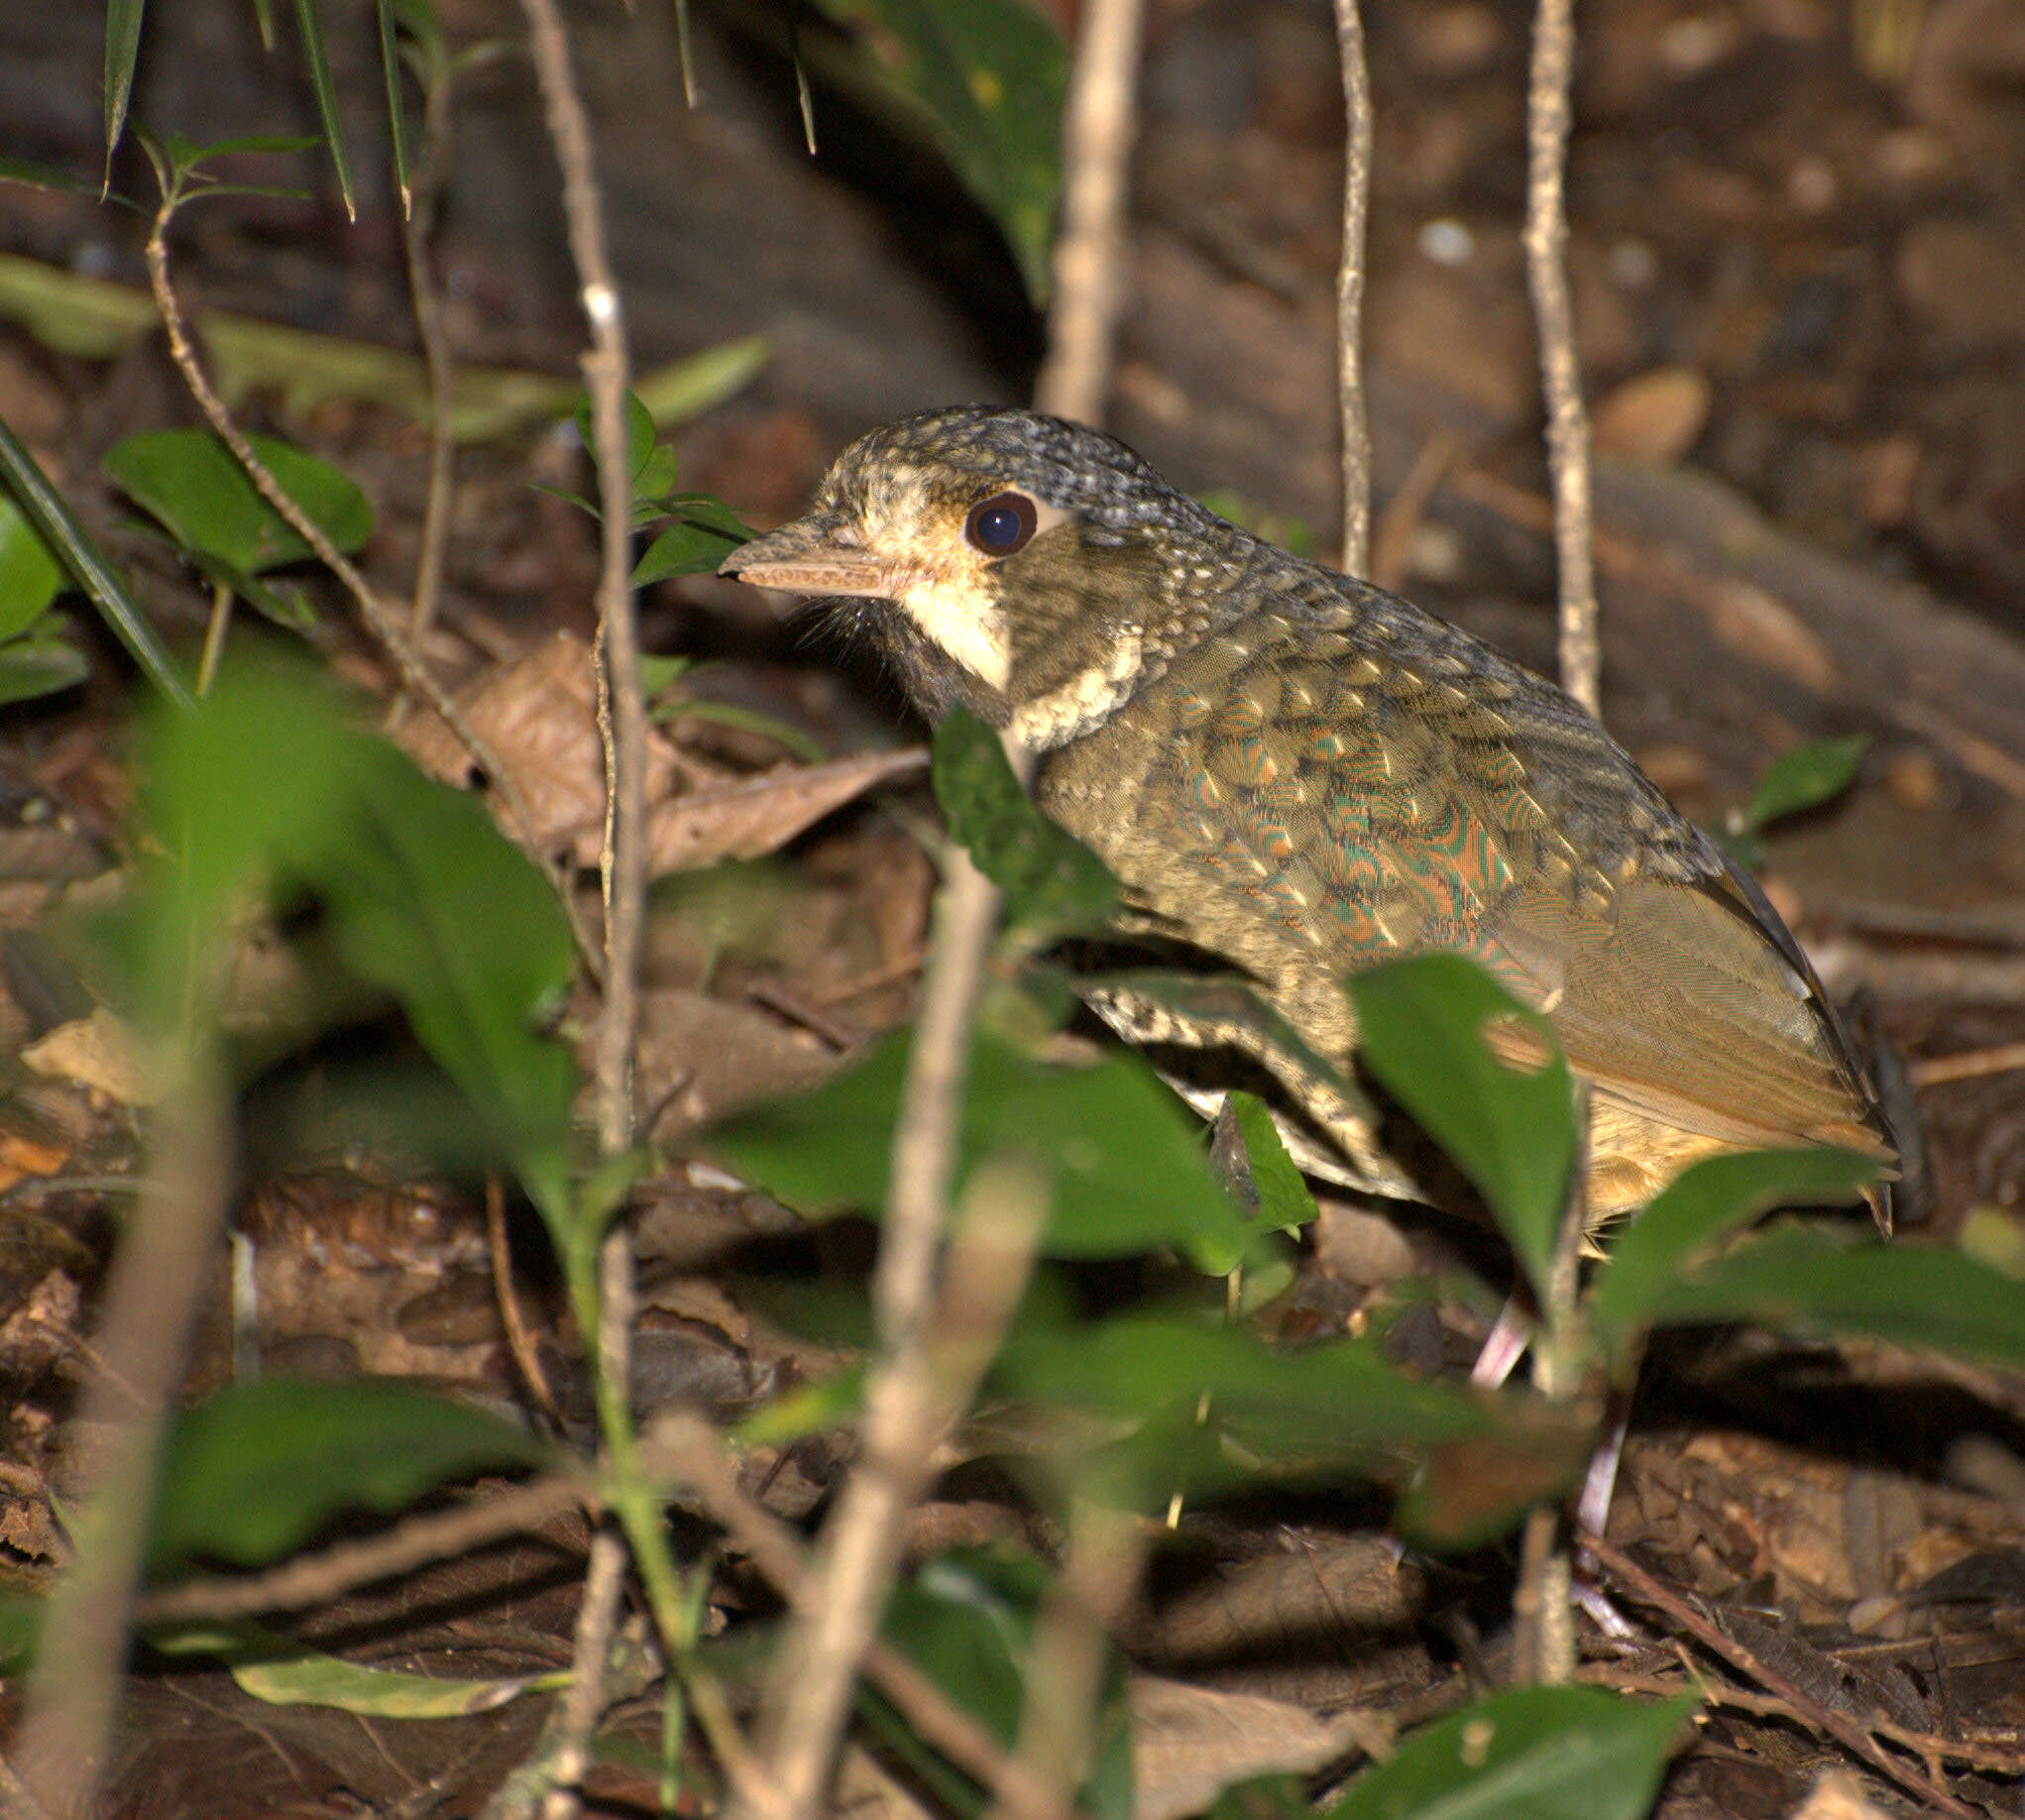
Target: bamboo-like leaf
column 396, row 114
column 310, row 25
column 52, row 516
column 122, row 52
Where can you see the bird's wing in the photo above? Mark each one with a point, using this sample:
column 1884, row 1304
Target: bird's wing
column 1343, row 807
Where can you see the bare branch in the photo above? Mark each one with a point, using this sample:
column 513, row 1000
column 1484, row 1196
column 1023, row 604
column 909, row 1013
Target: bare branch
column 1548, row 113
column 157, row 1276
column 1350, row 288
column 1098, row 129
column 379, row 622
column 622, row 720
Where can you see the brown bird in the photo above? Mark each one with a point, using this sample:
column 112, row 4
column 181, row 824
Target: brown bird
column 1304, row 775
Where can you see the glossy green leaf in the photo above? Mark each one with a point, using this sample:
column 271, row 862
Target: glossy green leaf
column 1532, row 1753
column 285, row 1672
column 1053, row 883
column 709, row 511
column 252, row 1472
column 682, row 549
column 1126, row 1158
column 1703, row 1204
column 639, row 433
column 1285, row 1201
column 39, row 663
column 1813, row 1279
column 309, row 23
column 420, row 893
column 30, row 576
column 189, row 481
column 992, row 76
column 1805, row 778
column 1484, row 1076
column 1187, row 1405
column 965, row 1619
column 52, row 516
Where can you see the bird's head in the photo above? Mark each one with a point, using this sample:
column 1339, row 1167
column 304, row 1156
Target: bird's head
column 1033, row 570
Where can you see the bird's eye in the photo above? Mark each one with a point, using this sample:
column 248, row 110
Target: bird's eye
column 1000, row 524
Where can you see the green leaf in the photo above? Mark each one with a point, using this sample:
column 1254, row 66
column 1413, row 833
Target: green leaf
column 965, row 1619
column 1810, row 1280
column 283, row 1673
column 188, row 480
column 1210, row 1408
column 1532, row 1753
column 682, row 549
column 1702, row 1206
column 708, row 510
column 30, row 576
column 639, row 433
column 1804, row 778
column 396, row 114
column 52, row 516
column 1285, row 1201
column 1484, row 1076
column 289, row 610
column 1053, row 883
column 121, row 53
column 39, row 663
column 688, row 386
column 254, row 1471
column 992, row 74
column 1124, row 1155
column 420, row 893
column 311, row 24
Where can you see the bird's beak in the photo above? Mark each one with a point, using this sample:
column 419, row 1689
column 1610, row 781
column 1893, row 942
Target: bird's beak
column 813, row 555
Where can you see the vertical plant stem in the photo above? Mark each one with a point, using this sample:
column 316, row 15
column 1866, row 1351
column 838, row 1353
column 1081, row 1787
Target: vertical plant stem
column 417, row 230
column 150, row 1302
column 606, row 1300
column 1350, row 288
column 1549, row 112
column 1098, row 129
column 379, row 621
column 917, row 1390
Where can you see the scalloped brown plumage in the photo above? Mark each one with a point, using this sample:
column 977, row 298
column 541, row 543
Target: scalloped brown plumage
column 1304, row 775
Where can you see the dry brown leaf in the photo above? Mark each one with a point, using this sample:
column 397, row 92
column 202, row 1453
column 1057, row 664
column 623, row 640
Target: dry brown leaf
column 1190, row 1744
column 752, row 816
column 539, row 717
column 1758, row 626
column 1657, row 416
column 97, row 1052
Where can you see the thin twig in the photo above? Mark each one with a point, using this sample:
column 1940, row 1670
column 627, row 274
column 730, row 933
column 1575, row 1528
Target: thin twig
column 520, row 1341
column 689, row 1450
column 2000, row 1759
column 582, row 1705
column 1967, row 1064
column 622, row 720
column 157, row 1276
column 1097, row 128
column 918, row 1388
column 379, row 621
column 318, row 1579
column 417, row 230
column 1548, row 115
column 1065, row 1686
column 1845, row 1732
column 1350, row 288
